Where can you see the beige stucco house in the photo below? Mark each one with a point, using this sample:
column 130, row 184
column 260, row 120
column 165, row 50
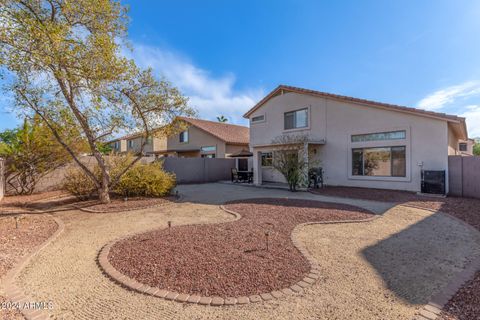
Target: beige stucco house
column 357, row 142
column 202, row 138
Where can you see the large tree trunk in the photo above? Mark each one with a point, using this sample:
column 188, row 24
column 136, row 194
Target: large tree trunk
column 104, row 195
column 104, row 190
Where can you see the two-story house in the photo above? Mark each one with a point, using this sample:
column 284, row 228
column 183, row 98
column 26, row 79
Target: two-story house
column 357, row 142
column 201, row 138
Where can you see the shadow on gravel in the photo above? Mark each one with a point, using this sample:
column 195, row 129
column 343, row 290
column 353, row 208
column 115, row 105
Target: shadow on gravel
column 421, row 259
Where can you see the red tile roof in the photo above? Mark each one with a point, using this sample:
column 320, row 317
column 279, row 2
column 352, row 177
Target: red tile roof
column 229, row 133
column 283, row 88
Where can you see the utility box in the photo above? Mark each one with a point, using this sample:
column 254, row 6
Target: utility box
column 433, row 181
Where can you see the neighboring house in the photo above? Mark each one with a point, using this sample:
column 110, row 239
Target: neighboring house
column 357, row 142
column 202, row 138
column 465, row 147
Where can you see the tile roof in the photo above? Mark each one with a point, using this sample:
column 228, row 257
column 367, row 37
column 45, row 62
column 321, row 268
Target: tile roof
column 394, row 107
column 229, row 133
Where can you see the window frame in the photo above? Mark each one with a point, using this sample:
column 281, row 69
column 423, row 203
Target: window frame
column 294, row 112
column 460, row 144
column 263, row 156
column 391, row 161
column 263, row 116
column 182, row 134
column 374, row 133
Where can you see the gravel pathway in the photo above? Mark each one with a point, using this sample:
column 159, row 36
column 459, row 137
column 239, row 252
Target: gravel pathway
column 228, row 259
column 384, row 269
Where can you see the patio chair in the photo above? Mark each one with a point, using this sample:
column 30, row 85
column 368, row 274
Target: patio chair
column 315, row 178
column 235, row 176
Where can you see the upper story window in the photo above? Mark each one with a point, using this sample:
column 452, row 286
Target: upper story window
column 462, row 146
column 149, row 140
column 130, row 143
column 116, row 144
column 296, row 119
column 390, row 135
column 257, row 119
column 184, row 136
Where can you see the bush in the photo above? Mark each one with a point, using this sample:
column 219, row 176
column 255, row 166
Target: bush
column 78, row 183
column 149, row 180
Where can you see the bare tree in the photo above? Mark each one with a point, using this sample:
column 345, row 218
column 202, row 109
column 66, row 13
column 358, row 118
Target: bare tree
column 290, row 160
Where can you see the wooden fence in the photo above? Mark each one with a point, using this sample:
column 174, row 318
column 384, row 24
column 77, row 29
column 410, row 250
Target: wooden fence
column 464, row 176
column 199, row 170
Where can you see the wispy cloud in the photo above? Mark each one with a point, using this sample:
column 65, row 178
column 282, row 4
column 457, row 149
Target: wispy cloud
column 211, row 96
column 443, row 97
column 472, row 115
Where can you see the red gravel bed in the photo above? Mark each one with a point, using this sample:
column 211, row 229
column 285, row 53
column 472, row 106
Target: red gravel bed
column 17, row 243
column 466, row 209
column 118, row 204
column 228, row 259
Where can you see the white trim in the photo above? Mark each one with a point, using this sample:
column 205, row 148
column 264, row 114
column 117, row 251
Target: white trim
column 381, row 143
column 294, row 109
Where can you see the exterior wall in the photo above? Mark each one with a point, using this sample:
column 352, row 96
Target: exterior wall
column 452, row 143
column 196, row 139
column 122, row 146
column 231, row 148
column 335, row 121
column 137, row 144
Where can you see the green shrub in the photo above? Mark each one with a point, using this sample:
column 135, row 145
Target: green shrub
column 78, row 183
column 149, row 180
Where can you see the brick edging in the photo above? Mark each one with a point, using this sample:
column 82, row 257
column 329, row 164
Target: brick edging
column 13, row 292
column 298, row 287
column 434, row 307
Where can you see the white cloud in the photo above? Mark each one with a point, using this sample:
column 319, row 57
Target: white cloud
column 443, row 97
column 472, row 116
column 211, row 96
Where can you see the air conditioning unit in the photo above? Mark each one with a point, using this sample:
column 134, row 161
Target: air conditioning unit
column 433, row 181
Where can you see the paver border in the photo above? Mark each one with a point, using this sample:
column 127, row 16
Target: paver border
column 433, row 308
column 310, row 278
column 13, row 292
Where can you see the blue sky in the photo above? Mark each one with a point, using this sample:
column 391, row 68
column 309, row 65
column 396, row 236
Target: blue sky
column 226, row 55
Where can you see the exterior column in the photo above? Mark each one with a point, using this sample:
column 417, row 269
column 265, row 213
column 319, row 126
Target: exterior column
column 257, row 168
column 304, row 154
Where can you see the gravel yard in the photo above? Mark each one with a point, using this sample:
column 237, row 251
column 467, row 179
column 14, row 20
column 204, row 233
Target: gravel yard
column 118, row 204
column 384, row 269
column 228, row 259
column 16, row 243
column 465, row 305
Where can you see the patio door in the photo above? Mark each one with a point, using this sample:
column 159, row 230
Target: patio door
column 242, row 164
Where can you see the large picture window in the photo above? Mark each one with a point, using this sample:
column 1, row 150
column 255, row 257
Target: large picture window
column 296, row 119
column 382, row 162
